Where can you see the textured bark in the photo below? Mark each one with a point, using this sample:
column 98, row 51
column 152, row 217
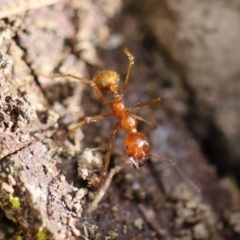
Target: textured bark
column 41, row 192
column 201, row 41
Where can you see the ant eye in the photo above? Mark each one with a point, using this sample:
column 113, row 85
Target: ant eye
column 127, row 147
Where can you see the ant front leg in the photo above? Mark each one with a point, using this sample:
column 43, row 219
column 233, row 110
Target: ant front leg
column 129, row 71
column 83, row 122
column 107, row 158
column 90, row 82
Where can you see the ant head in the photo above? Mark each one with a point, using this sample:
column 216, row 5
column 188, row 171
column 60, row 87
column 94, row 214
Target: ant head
column 137, row 148
column 107, row 80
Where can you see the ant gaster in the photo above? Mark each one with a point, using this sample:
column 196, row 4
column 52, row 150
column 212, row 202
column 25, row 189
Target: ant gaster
column 136, row 143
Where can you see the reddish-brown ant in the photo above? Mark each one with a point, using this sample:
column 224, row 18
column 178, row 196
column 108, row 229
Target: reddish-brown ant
column 136, row 143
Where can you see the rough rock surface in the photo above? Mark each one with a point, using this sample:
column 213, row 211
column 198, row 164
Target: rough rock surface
column 42, row 196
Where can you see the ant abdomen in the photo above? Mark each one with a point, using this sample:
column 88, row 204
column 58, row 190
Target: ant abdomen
column 107, row 80
column 137, row 148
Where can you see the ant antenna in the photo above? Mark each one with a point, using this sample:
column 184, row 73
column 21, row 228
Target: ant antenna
column 178, row 169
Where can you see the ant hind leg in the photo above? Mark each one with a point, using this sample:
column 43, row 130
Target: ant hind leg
column 107, row 158
column 152, row 125
column 138, row 105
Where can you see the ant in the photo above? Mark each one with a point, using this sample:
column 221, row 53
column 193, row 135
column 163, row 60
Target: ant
column 136, row 144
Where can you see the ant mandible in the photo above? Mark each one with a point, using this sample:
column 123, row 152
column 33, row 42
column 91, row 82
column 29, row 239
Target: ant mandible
column 136, row 143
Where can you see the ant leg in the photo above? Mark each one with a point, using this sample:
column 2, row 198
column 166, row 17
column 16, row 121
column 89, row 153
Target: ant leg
column 83, row 122
column 152, row 125
column 74, row 77
column 99, row 94
column 138, row 105
column 155, row 100
column 107, row 158
column 90, row 82
column 129, row 71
